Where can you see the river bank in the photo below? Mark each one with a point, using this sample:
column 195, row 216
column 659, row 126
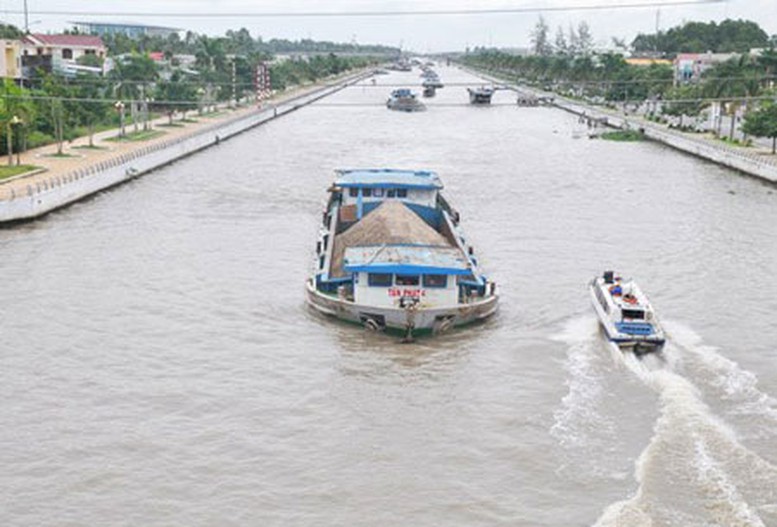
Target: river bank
column 62, row 180
column 752, row 161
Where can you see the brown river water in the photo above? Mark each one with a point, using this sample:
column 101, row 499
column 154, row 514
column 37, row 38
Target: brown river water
column 159, row 366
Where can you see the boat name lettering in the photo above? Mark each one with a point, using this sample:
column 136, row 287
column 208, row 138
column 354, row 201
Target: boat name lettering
column 413, row 293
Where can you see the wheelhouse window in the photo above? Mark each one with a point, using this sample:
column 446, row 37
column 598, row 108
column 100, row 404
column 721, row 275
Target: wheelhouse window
column 390, row 193
column 435, row 280
column 353, row 192
column 634, row 314
column 379, row 279
column 366, row 192
column 378, row 192
column 401, row 192
column 408, row 279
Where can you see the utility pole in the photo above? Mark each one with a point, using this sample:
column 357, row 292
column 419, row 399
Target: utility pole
column 26, row 19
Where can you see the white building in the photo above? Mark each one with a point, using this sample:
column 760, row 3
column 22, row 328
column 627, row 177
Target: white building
column 63, row 47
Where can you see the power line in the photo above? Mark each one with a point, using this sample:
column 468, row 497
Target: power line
column 379, row 13
column 113, row 83
column 193, row 102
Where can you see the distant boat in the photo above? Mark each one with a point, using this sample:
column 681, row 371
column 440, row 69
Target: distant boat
column 432, row 82
column 400, row 65
column 626, row 314
column 391, row 256
column 404, row 100
column 480, row 95
column 429, row 91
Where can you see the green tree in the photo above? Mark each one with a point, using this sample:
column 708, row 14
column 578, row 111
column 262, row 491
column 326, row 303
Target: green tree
column 763, row 123
column 736, row 81
column 176, row 95
column 681, row 101
column 92, row 109
column 131, row 80
column 539, row 38
column 58, row 108
column 699, row 37
column 15, row 112
column 9, row 32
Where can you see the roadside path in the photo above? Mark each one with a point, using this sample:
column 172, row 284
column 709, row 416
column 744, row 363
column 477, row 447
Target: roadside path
column 756, row 160
column 79, row 158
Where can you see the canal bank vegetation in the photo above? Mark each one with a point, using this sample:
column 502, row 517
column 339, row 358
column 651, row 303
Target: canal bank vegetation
column 623, row 135
column 652, row 77
column 151, row 76
column 763, row 123
column 15, row 170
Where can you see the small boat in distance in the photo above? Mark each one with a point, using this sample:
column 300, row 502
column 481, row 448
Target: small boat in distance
column 404, row 100
column 391, row 256
column 432, row 82
column 625, row 314
column 481, row 95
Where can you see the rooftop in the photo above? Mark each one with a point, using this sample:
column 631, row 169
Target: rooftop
column 406, row 259
column 64, row 40
column 122, row 25
column 388, row 177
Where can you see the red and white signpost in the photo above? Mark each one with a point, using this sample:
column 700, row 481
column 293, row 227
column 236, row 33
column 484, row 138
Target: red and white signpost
column 262, row 83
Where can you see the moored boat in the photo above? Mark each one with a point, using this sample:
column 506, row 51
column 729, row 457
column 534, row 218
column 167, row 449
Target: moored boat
column 481, row 95
column 625, row 314
column 391, row 256
column 404, row 100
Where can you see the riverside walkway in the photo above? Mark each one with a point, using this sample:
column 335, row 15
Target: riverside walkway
column 82, row 171
column 757, row 160
column 77, row 155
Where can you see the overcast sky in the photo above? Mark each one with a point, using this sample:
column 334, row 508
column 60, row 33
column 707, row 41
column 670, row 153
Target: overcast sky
column 420, row 33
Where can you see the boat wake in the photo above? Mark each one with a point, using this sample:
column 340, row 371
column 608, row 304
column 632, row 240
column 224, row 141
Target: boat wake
column 736, row 388
column 694, row 461
column 579, row 423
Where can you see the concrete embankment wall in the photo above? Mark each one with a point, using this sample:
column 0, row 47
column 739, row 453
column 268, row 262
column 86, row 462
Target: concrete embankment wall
column 750, row 163
column 58, row 191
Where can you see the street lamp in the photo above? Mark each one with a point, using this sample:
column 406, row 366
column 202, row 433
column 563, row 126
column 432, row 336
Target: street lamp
column 200, row 95
column 16, row 123
column 120, row 108
column 146, row 100
column 11, row 124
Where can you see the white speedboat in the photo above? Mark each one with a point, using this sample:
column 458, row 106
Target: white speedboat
column 391, row 256
column 625, row 314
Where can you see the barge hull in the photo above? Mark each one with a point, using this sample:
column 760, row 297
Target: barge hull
column 424, row 320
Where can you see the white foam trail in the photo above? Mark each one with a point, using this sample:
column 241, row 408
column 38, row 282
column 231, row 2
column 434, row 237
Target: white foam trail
column 735, row 384
column 578, row 415
column 687, row 432
column 725, row 503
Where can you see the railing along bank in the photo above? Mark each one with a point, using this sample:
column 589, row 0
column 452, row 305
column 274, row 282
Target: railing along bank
column 750, row 163
column 47, row 194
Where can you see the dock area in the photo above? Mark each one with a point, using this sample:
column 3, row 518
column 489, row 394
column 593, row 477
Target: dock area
column 59, row 181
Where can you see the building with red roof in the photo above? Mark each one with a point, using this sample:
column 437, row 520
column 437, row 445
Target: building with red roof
column 66, row 48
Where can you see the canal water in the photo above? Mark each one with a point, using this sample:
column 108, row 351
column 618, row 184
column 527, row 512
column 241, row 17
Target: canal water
column 159, row 366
